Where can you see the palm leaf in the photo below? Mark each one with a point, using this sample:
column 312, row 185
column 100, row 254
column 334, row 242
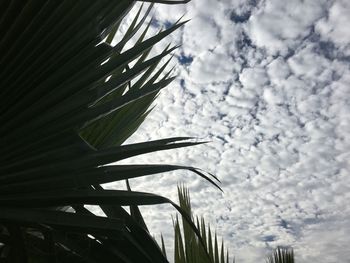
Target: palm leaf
column 281, row 255
column 68, row 100
column 189, row 248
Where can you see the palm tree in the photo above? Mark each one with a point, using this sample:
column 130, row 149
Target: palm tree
column 281, row 255
column 188, row 248
column 69, row 99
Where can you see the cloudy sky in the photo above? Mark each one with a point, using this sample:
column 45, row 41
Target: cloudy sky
column 268, row 83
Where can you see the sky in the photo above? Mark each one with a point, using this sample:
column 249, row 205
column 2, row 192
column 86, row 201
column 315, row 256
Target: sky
column 268, row 84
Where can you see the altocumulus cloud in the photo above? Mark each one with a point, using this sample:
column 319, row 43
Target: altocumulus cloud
column 268, row 82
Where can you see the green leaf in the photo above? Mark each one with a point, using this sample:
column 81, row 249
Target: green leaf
column 135, row 211
column 62, row 220
column 281, row 255
column 68, row 100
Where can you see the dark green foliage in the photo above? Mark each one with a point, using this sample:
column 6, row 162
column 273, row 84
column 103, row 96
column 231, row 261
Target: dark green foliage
column 188, row 248
column 67, row 103
column 281, row 255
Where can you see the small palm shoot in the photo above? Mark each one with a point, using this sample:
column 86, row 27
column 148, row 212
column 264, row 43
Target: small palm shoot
column 188, row 248
column 281, row 255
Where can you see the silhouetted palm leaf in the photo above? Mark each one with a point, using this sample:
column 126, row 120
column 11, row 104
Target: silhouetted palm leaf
column 281, row 255
column 68, row 100
column 188, row 248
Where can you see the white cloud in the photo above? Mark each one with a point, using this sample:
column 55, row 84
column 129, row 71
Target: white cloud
column 279, row 25
column 275, row 104
column 334, row 26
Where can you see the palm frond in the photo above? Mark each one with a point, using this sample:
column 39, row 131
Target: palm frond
column 68, row 100
column 189, row 248
column 281, row 255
